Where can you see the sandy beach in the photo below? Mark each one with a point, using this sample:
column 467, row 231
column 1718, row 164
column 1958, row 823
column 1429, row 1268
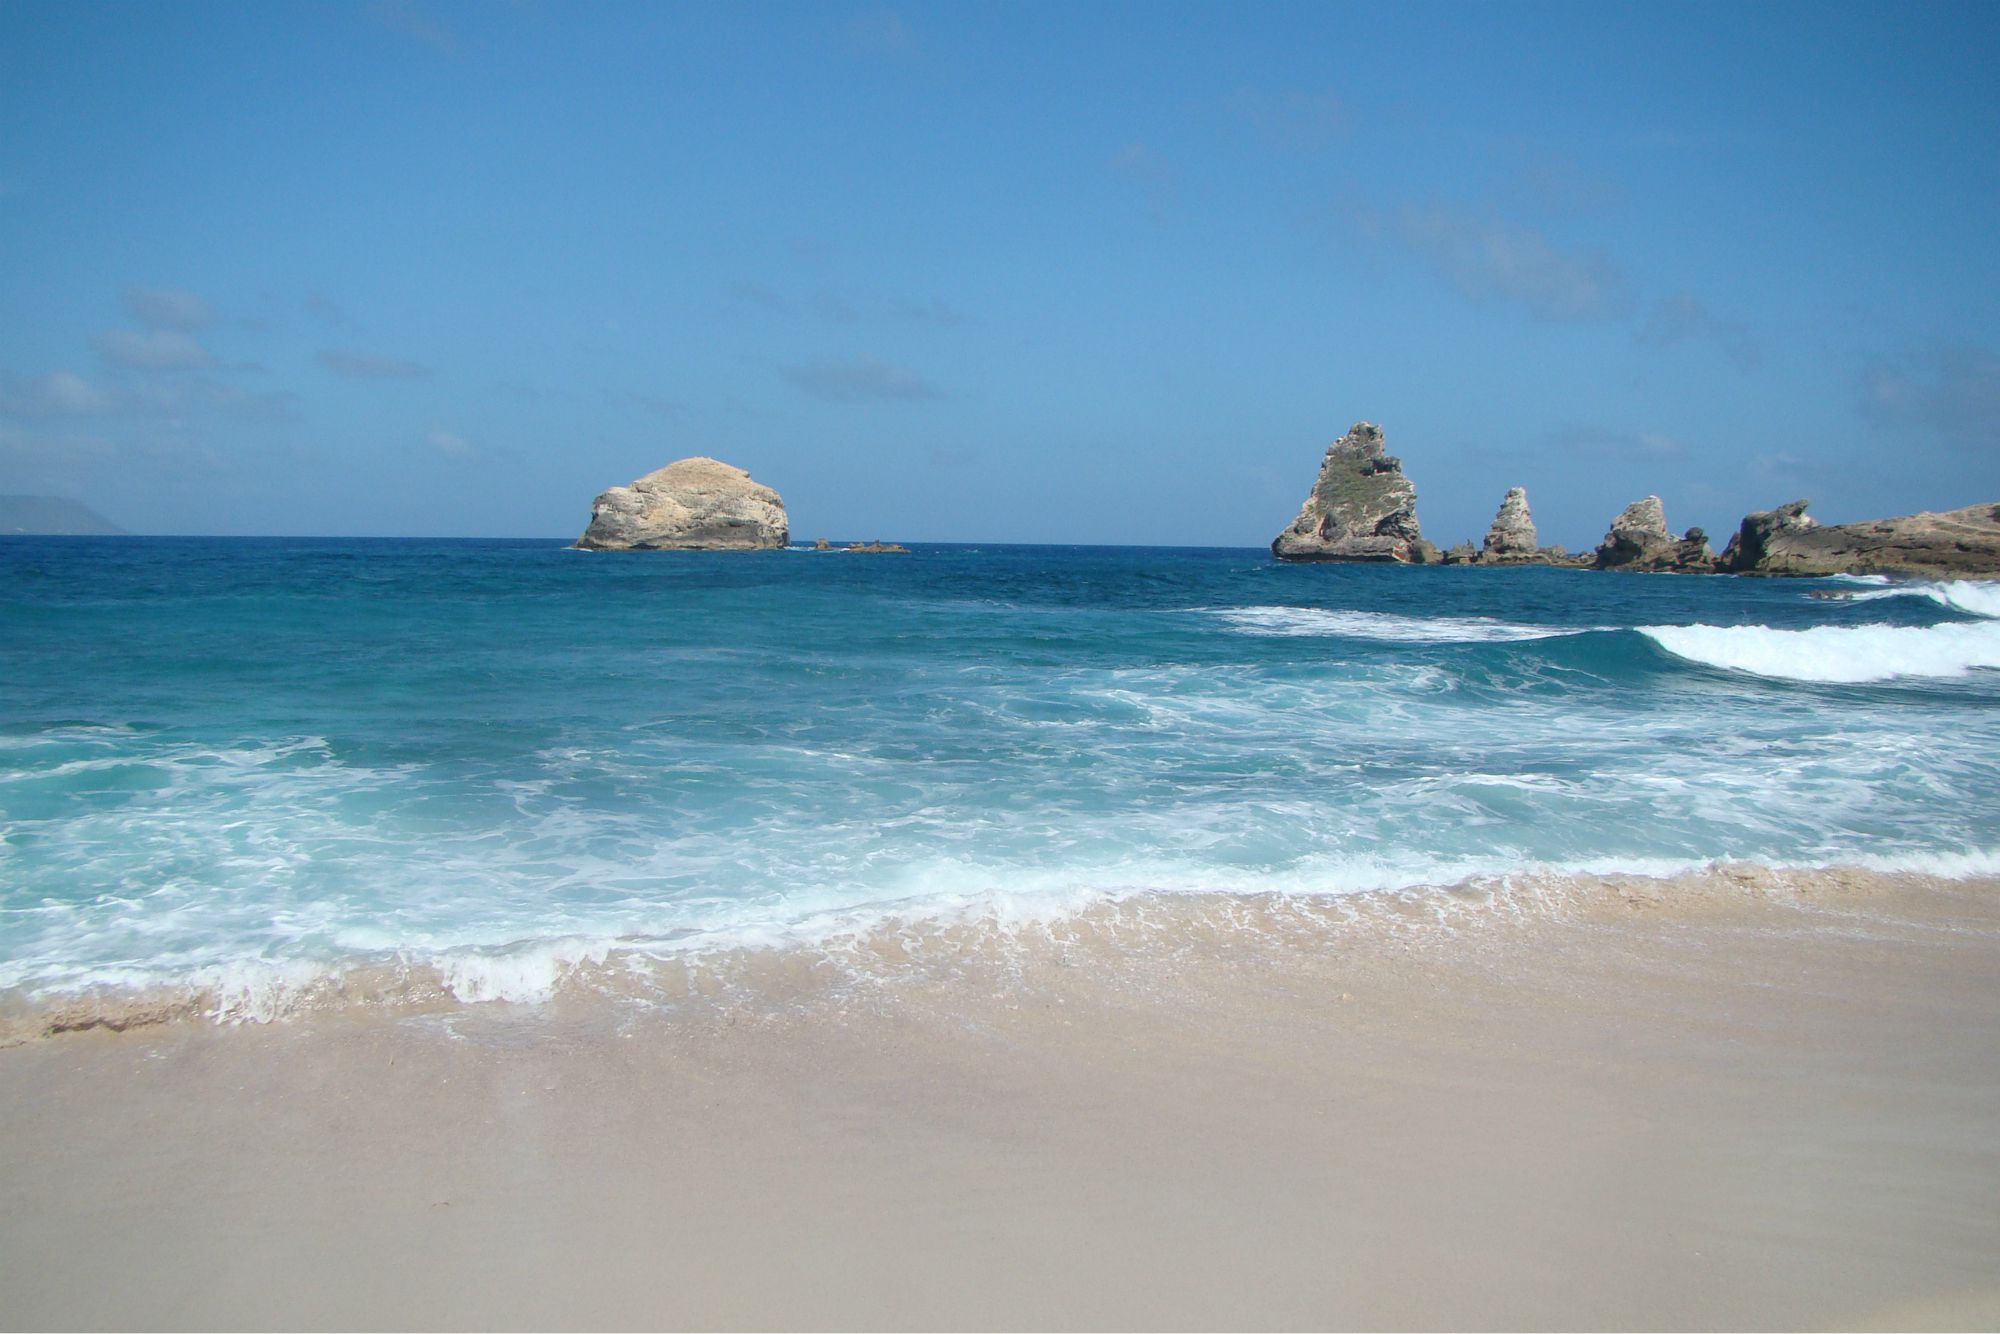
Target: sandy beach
column 1737, row 1098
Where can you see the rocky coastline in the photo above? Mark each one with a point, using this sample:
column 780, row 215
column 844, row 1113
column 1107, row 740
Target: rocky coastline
column 1363, row 507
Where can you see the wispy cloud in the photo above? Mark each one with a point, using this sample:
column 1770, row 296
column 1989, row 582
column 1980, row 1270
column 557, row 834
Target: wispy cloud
column 371, row 365
column 1142, row 165
column 861, row 379
column 201, row 394
column 666, row 409
column 449, row 443
column 320, row 307
column 153, row 400
column 168, row 308
column 407, row 18
column 154, row 350
column 1597, row 442
column 57, row 394
column 1294, row 119
column 1682, row 317
column 1490, row 259
column 1560, row 187
column 1950, row 387
column 934, row 312
column 831, row 307
column 883, row 34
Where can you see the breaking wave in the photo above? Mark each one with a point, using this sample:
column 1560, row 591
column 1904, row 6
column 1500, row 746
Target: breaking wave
column 1836, row 654
column 1385, row 626
column 1970, row 596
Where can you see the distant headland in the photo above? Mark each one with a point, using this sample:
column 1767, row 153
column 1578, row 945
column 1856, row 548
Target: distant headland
column 53, row 516
column 1363, row 507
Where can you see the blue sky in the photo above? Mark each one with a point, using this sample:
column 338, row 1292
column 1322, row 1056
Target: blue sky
column 1036, row 272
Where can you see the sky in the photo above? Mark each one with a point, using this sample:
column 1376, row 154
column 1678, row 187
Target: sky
column 1079, row 273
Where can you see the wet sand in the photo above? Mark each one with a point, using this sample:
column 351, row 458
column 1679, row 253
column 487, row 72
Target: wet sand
column 1733, row 1099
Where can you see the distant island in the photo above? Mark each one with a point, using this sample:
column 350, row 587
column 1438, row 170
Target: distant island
column 1363, row 507
column 695, row 504
column 52, row 516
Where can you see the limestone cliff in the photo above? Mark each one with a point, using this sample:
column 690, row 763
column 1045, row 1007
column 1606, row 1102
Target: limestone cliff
column 697, row 504
column 1640, row 540
column 1786, row 540
column 1512, row 538
column 1362, row 508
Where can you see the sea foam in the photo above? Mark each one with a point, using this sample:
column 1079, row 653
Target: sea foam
column 1836, row 654
column 1973, row 597
column 1387, row 627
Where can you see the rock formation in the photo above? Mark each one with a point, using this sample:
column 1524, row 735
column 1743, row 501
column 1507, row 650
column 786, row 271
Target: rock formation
column 1640, row 540
column 1362, row 508
column 1512, row 538
column 1786, row 540
column 697, row 504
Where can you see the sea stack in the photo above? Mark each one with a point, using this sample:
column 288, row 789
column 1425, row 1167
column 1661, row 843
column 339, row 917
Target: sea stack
column 697, row 504
column 1640, row 540
column 1786, row 540
column 1362, row 508
column 1512, row 538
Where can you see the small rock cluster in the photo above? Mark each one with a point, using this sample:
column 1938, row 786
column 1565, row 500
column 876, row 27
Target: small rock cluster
column 1363, row 508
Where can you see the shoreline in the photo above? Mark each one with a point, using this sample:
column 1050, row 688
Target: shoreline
column 1742, row 1097
column 869, row 943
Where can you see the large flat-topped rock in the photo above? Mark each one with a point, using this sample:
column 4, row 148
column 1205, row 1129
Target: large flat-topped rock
column 697, row 504
column 1362, row 508
column 1785, row 540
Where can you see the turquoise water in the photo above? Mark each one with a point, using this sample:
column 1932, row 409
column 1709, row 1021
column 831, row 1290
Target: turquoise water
column 272, row 758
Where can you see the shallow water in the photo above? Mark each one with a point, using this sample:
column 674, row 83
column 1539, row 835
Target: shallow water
column 242, row 765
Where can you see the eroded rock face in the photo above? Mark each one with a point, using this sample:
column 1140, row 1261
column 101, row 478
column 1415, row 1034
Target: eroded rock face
column 697, row 504
column 1640, row 540
column 1362, row 508
column 1512, row 536
column 1786, row 540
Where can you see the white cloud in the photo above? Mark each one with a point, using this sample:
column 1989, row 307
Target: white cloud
column 449, row 444
column 57, row 394
column 168, row 308
column 157, row 350
column 409, row 19
column 883, row 33
column 1488, row 259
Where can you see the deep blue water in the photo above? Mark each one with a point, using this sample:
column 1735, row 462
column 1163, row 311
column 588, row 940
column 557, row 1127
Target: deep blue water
column 275, row 754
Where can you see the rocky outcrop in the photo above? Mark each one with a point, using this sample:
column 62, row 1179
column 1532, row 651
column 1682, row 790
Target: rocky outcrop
column 697, row 504
column 1786, row 540
column 1512, row 538
column 1362, row 508
column 870, row 548
column 1640, row 540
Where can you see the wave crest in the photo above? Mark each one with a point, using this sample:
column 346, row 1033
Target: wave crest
column 1385, row 626
column 1973, row 597
column 1836, row 654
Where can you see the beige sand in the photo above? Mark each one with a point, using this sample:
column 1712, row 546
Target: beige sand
column 1730, row 1100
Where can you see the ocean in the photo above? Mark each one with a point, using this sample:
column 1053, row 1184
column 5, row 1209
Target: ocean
column 236, row 772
